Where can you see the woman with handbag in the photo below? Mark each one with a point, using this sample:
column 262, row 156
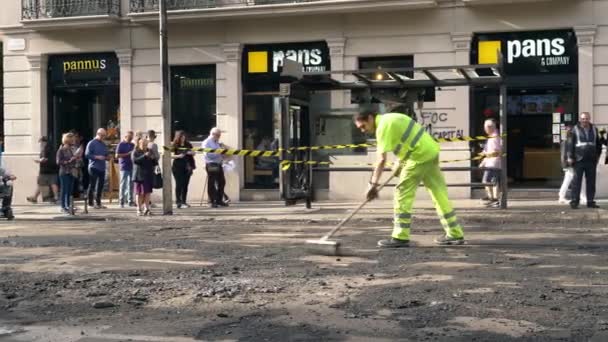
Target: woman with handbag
column 183, row 166
column 66, row 159
column 143, row 174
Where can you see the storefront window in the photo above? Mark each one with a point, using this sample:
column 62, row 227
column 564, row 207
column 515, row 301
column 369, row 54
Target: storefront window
column 259, row 123
column 261, row 74
column 193, row 100
column 533, row 157
column 84, row 95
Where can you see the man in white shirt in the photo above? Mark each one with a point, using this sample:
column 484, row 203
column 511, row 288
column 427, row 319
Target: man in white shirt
column 215, row 173
column 492, row 152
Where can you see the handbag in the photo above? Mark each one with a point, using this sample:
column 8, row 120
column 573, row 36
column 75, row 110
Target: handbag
column 157, row 182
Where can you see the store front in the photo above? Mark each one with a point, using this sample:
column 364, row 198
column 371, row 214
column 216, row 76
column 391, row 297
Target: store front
column 193, row 100
column 83, row 95
column 262, row 65
column 541, row 74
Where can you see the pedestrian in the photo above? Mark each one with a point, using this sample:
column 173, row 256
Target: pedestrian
column 153, row 147
column 215, row 173
column 6, row 193
column 97, row 154
column 584, row 150
column 1, row 149
column 66, row 159
column 47, row 173
column 154, row 153
column 492, row 152
column 418, row 155
column 568, row 172
column 143, row 173
column 182, row 168
column 228, row 166
column 81, row 184
column 123, row 154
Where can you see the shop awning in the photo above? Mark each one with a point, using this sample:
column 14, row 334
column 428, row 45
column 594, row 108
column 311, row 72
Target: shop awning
column 420, row 77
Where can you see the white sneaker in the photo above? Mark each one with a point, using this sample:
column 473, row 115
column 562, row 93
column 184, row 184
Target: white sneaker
column 563, row 201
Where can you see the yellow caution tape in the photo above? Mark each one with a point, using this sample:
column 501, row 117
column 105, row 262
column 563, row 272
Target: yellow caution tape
column 286, row 164
column 277, row 153
column 231, row 152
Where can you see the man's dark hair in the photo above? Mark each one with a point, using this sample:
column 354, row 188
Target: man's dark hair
column 151, row 133
column 364, row 114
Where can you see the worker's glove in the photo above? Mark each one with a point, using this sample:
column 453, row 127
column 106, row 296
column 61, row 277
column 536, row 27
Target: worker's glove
column 372, row 192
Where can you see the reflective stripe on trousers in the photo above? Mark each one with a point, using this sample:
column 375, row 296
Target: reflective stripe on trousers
column 431, row 176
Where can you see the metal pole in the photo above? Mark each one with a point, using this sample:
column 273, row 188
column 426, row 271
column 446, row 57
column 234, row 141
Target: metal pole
column 166, row 109
column 503, row 130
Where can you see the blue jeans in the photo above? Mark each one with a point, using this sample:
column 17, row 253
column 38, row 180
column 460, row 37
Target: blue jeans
column 67, row 183
column 97, row 179
column 126, row 187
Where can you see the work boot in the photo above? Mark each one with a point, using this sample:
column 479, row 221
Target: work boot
column 445, row 240
column 593, row 205
column 393, row 243
column 573, row 205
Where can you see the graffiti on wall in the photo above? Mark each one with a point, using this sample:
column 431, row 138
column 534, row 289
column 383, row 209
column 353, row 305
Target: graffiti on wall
column 441, row 124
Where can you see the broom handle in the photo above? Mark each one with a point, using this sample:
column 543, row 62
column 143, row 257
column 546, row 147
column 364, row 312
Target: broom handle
column 354, row 212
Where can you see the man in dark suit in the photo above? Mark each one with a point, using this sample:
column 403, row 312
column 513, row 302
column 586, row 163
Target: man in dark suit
column 584, row 150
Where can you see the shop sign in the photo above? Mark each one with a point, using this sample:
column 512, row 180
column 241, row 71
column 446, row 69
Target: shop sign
column 197, row 83
column 84, row 68
column 526, row 53
column 15, row 44
column 267, row 59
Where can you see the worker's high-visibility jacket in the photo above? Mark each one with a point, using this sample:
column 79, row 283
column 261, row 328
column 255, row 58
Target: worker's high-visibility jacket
column 400, row 134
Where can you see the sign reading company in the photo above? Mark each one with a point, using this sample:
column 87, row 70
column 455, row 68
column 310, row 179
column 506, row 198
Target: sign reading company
column 527, row 53
column 84, row 68
column 267, row 59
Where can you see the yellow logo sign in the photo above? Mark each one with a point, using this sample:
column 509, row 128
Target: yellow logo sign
column 258, row 62
column 488, row 52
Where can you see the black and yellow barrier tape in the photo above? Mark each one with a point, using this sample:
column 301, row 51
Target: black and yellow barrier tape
column 232, row 152
column 277, row 153
column 286, row 164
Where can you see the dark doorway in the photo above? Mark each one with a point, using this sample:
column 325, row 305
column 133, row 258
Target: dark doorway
column 533, row 159
column 84, row 110
column 193, row 100
column 83, row 95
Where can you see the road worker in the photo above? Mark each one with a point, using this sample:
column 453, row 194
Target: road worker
column 418, row 155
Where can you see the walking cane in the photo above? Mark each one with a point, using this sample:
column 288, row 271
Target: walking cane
column 204, row 188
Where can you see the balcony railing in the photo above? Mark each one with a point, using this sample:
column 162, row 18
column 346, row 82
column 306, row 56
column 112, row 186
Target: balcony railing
column 138, row 6
column 47, row 9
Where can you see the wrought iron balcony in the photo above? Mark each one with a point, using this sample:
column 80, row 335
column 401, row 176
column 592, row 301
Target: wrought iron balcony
column 139, row 6
column 48, row 9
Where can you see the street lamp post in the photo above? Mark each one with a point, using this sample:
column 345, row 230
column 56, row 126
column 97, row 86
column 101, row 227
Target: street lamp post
column 165, row 98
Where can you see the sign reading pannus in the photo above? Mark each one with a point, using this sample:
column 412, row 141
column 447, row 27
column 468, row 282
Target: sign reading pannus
column 266, row 61
column 528, row 53
column 197, row 83
column 95, row 68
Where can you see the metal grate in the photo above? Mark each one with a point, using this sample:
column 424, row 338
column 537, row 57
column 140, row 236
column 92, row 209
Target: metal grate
column 46, row 9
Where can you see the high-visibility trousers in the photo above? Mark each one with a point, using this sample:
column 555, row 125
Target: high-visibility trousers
column 431, row 176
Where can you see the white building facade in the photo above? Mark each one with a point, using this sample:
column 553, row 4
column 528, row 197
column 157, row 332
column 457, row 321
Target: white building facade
column 97, row 65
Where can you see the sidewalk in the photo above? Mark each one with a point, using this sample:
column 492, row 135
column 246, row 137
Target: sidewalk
column 469, row 211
